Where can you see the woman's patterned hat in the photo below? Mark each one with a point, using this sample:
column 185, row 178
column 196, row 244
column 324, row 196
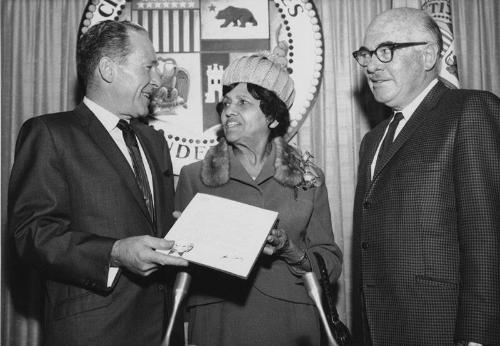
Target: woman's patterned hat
column 267, row 70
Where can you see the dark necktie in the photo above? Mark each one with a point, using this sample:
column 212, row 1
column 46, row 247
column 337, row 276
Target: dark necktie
column 140, row 172
column 389, row 139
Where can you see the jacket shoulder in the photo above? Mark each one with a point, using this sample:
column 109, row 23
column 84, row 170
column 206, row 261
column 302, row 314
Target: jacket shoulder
column 47, row 123
column 462, row 96
column 473, row 106
column 52, row 118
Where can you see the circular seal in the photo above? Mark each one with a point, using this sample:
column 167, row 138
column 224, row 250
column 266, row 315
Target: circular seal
column 196, row 39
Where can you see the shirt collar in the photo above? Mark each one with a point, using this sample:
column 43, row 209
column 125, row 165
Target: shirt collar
column 410, row 109
column 108, row 119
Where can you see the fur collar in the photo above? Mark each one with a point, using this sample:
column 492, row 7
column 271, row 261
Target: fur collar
column 287, row 164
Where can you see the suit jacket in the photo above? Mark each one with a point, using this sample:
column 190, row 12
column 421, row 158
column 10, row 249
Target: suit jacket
column 426, row 236
column 72, row 194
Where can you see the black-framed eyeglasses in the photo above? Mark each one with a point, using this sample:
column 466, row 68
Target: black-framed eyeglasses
column 384, row 52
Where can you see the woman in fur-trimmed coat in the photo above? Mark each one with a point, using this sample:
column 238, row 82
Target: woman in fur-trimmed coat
column 253, row 164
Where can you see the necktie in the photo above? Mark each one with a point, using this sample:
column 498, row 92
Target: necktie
column 140, row 172
column 389, row 138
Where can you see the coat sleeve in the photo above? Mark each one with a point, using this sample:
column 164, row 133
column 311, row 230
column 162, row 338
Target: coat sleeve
column 319, row 236
column 477, row 184
column 39, row 215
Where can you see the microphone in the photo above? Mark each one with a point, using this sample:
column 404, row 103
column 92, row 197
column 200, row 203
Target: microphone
column 181, row 287
column 314, row 291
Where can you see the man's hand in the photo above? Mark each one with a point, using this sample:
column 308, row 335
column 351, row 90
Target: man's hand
column 138, row 254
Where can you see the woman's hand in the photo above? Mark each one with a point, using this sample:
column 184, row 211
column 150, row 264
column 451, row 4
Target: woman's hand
column 278, row 243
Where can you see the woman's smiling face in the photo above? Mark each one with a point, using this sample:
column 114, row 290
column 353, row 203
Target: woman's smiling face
column 242, row 119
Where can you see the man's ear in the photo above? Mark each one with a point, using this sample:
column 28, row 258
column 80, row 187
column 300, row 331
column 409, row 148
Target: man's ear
column 106, row 68
column 431, row 56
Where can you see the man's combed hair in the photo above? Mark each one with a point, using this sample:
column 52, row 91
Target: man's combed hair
column 108, row 38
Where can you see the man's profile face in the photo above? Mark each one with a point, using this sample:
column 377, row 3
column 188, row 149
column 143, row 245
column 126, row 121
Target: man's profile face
column 398, row 82
column 137, row 77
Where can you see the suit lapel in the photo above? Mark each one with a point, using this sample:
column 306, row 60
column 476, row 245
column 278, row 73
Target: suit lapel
column 107, row 145
column 422, row 112
column 370, row 155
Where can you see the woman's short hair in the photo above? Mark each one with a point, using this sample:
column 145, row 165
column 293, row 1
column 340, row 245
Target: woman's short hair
column 270, row 104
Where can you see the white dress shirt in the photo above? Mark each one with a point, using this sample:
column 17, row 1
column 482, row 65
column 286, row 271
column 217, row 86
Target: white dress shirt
column 109, row 121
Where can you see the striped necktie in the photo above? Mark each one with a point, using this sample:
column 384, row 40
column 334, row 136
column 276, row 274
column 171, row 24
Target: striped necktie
column 139, row 170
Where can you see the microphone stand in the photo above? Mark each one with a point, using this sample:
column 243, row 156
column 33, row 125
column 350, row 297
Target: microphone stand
column 181, row 286
column 314, row 292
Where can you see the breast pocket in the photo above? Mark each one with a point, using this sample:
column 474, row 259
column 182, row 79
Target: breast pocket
column 418, row 177
column 420, row 166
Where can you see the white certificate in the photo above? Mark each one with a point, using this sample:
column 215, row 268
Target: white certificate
column 221, row 233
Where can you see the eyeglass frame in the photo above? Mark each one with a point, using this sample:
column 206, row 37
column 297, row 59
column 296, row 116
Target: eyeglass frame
column 391, row 45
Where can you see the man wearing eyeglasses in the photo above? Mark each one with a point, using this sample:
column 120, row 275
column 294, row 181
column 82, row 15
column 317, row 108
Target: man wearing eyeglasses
column 427, row 206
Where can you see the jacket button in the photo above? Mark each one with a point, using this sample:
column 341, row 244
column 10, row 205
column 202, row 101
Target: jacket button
column 366, row 205
column 364, row 245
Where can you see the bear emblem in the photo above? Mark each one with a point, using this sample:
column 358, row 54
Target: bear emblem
column 233, row 14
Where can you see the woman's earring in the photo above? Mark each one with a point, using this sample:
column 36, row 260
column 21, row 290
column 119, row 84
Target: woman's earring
column 273, row 124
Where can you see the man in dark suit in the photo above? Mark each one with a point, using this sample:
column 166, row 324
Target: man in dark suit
column 88, row 205
column 427, row 205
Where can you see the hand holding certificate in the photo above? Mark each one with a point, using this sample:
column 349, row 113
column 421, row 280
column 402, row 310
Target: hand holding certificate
column 220, row 233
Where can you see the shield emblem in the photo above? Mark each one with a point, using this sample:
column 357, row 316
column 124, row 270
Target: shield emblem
column 196, row 39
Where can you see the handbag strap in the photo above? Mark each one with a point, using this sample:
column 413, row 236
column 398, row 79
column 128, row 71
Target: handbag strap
column 331, row 310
